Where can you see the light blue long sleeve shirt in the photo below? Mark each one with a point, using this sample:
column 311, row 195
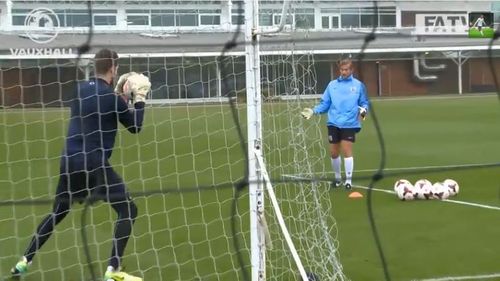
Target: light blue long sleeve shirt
column 341, row 100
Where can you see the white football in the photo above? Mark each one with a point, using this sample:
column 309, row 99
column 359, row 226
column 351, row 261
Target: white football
column 452, row 186
column 400, row 182
column 404, row 190
column 439, row 191
column 423, row 189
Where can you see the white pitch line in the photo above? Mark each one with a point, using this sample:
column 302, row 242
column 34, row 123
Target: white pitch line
column 453, row 278
column 430, row 167
column 484, row 206
column 448, row 278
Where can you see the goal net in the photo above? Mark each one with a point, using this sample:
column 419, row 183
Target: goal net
column 294, row 150
column 181, row 170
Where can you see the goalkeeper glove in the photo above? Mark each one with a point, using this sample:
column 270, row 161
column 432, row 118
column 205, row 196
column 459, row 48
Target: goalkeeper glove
column 362, row 112
column 139, row 85
column 307, row 113
column 119, row 88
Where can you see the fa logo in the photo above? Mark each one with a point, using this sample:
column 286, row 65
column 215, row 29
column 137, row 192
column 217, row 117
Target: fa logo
column 353, row 90
column 42, row 25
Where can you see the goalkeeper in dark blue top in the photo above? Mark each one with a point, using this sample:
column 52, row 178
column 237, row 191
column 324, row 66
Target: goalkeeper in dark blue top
column 346, row 102
column 85, row 169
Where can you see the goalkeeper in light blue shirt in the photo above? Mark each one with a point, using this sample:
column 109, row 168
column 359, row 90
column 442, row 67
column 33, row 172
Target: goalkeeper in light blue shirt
column 345, row 100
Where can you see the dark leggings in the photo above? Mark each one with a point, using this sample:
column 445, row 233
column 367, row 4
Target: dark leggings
column 126, row 211
column 104, row 183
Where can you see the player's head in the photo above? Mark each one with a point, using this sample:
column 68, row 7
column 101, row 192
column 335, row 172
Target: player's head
column 345, row 67
column 106, row 64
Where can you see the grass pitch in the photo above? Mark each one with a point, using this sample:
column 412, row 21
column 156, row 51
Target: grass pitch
column 488, row 32
column 186, row 235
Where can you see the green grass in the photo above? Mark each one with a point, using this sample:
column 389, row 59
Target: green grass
column 488, row 32
column 187, row 236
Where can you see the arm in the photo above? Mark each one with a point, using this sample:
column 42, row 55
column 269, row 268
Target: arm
column 474, row 25
column 322, row 107
column 130, row 118
column 138, row 86
column 363, row 102
column 325, row 103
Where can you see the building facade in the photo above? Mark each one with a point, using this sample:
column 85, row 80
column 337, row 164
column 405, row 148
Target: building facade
column 177, row 44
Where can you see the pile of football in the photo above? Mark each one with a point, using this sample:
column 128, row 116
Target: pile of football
column 424, row 189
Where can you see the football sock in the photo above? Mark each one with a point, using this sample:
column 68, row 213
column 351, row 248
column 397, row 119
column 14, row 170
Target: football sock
column 349, row 164
column 336, row 168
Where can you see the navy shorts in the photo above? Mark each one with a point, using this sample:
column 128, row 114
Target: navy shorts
column 335, row 134
column 76, row 183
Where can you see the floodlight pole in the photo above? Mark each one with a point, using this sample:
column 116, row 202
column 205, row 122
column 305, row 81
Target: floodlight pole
column 254, row 132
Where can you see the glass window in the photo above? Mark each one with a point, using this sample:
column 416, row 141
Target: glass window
column 266, row 19
column 304, row 21
column 237, row 19
column 137, row 11
column 209, row 19
column 335, row 22
column 277, row 19
column 162, row 20
column 349, row 20
column 137, row 19
column 325, row 22
column 104, row 20
column 18, row 20
column 104, row 11
column 187, row 20
column 388, row 20
column 349, row 10
column 369, row 21
column 73, row 20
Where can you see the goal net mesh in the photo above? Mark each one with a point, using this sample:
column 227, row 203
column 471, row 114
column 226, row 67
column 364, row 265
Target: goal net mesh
column 181, row 169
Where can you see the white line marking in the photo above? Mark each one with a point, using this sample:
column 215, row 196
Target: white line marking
column 484, row 206
column 448, row 278
column 429, row 167
column 445, row 200
column 472, row 165
column 472, row 277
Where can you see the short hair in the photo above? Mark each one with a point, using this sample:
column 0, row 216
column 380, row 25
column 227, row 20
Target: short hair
column 104, row 60
column 344, row 62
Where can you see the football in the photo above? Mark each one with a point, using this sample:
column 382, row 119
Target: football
column 400, row 183
column 404, row 190
column 439, row 191
column 422, row 188
column 452, row 186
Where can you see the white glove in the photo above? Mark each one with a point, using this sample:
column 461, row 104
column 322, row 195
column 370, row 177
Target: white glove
column 307, row 113
column 362, row 112
column 119, row 88
column 139, row 85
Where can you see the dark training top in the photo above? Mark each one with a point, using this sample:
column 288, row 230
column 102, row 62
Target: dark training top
column 94, row 122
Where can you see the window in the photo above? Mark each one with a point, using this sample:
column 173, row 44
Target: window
column 77, row 20
column 388, row 20
column 277, row 19
column 237, row 19
column 162, row 20
column 369, row 20
column 237, row 15
column 209, row 19
column 265, row 19
column 325, row 22
column 186, row 20
column 137, row 19
column 304, row 21
column 350, row 20
column 104, row 20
